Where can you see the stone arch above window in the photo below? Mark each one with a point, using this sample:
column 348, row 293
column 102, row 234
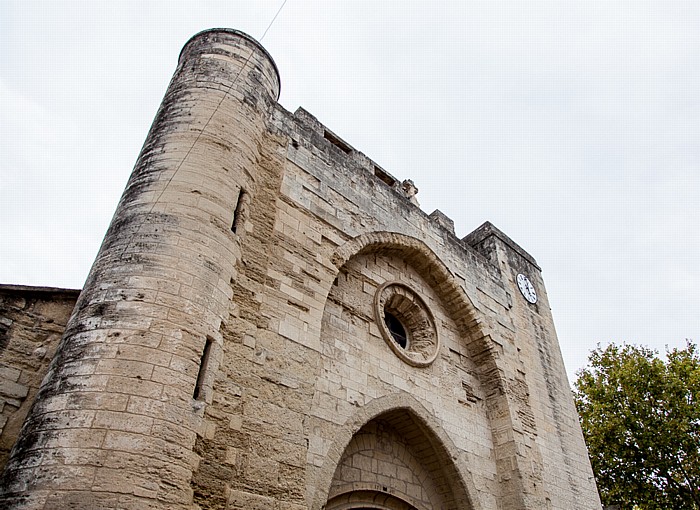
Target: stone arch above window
column 436, row 274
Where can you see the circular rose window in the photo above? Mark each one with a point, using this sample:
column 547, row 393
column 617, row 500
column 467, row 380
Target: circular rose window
column 406, row 324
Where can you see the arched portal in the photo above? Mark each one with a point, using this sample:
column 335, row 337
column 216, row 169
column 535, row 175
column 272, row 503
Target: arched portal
column 397, row 461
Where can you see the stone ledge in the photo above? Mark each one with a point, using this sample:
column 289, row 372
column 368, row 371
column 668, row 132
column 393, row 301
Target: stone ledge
column 28, row 289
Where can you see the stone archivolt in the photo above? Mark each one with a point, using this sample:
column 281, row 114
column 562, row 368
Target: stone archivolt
column 394, row 446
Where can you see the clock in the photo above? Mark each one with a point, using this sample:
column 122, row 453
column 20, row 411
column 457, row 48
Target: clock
column 527, row 289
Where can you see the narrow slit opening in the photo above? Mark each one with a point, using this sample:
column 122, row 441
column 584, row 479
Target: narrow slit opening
column 337, row 142
column 238, row 211
column 384, row 177
column 203, row 365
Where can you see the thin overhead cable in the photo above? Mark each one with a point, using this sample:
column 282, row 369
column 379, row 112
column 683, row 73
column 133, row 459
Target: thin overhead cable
column 273, row 20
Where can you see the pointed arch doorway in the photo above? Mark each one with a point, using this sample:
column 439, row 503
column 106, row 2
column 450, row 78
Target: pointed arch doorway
column 395, row 462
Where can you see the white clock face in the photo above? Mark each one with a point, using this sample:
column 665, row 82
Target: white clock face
column 527, row 289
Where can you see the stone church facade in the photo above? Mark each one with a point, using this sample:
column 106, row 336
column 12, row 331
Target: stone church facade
column 273, row 323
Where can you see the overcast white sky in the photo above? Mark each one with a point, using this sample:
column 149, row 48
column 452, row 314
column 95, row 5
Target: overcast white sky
column 573, row 126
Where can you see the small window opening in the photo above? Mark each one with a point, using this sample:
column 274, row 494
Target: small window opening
column 396, row 329
column 337, row 142
column 203, row 365
column 384, row 177
column 238, row 213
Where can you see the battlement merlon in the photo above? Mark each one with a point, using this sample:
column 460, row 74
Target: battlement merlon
column 479, row 237
column 344, row 149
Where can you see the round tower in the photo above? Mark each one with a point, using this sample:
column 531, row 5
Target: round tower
column 117, row 415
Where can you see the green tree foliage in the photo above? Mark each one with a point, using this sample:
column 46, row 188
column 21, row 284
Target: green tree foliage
column 640, row 417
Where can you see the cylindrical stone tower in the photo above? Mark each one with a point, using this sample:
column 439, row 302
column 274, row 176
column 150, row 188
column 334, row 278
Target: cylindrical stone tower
column 117, row 415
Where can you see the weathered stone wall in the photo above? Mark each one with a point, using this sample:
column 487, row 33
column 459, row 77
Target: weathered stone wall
column 118, row 413
column 32, row 320
column 541, row 387
column 304, row 354
column 230, row 349
column 358, row 367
